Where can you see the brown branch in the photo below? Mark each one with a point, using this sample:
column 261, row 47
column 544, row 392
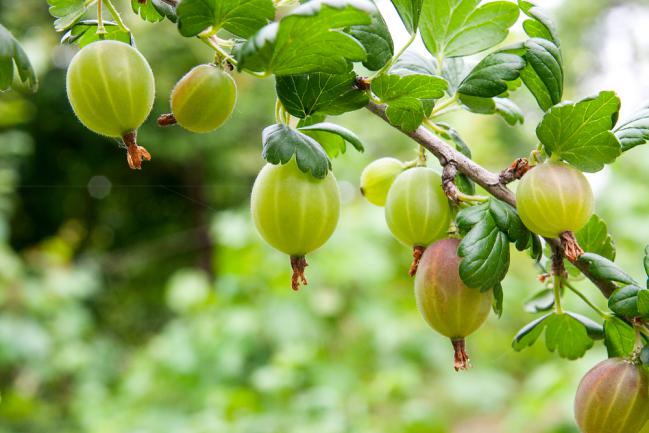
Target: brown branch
column 488, row 180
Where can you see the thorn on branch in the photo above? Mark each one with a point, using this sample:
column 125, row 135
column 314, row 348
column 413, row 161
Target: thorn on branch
column 515, row 171
column 570, row 246
column 448, row 182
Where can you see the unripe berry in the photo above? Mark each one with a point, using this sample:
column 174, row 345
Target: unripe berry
column 613, row 397
column 111, row 89
column 295, row 212
column 554, row 197
column 204, row 98
column 446, row 303
column 378, row 177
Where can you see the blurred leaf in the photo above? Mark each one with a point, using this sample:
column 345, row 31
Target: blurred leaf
column 66, row 12
column 531, row 332
column 504, row 107
column 165, row 9
column 619, row 337
column 567, row 335
column 454, row 28
column 634, row 131
column 309, row 94
column 282, row 48
column 147, row 11
column 377, row 41
column 332, row 128
column 409, row 11
column 602, row 268
column 412, row 62
column 454, row 71
column 498, row 300
column 644, row 355
column 539, row 25
column 11, row 52
column 489, row 78
column 240, row 17
column 281, row 142
column 580, row 133
column 543, row 74
column 540, row 302
column 594, row 238
column 85, row 32
column 406, row 97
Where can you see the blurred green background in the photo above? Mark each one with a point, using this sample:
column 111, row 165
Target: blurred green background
column 144, row 302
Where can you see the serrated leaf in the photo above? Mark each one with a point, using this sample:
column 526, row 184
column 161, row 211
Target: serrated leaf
column 409, row 11
column 594, row 238
column 567, row 336
column 281, row 142
column 625, row 301
column 485, row 255
column 147, row 11
column 531, row 332
column 634, row 131
column 309, row 40
column 454, row 28
column 240, row 17
column 376, row 39
column 508, row 222
column 602, row 268
column 498, row 300
column 489, row 78
column 66, row 12
column 85, row 32
column 543, row 74
column 338, row 130
column 580, row 133
column 541, row 301
column 539, row 25
column 309, row 94
column 12, row 53
column 408, row 97
column 619, row 337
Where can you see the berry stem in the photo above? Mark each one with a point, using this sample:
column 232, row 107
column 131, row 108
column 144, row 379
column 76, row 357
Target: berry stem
column 394, row 58
column 461, row 361
column 298, row 264
column 116, row 16
column 584, row 298
column 135, row 154
column 417, row 252
column 101, row 30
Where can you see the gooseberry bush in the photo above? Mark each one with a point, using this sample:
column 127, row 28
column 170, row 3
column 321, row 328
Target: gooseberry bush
column 329, row 57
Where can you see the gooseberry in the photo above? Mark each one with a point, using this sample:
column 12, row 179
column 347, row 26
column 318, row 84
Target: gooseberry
column 417, row 210
column 204, row 98
column 613, row 397
column 377, row 178
column 110, row 86
column 446, row 303
column 553, row 198
column 295, row 212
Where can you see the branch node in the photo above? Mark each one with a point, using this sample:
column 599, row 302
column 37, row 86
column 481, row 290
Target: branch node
column 570, row 246
column 448, row 181
column 515, row 171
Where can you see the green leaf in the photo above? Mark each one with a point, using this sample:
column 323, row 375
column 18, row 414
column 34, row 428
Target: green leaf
column 619, row 337
column 539, row 25
column 454, row 71
column 580, row 133
column 309, row 40
column 531, row 332
column 85, row 32
column 12, row 53
column 509, row 222
column 468, row 217
column 594, row 329
column 165, row 9
column 644, row 355
column 567, row 336
column 594, row 238
column 409, row 98
column 625, row 301
column 409, row 11
column 643, row 303
column 66, row 12
column 332, row 128
column 309, row 94
column 411, row 62
column 602, row 268
column 539, row 302
column 240, row 17
column 504, row 107
column 489, row 78
column 543, row 74
column 634, row 131
column 454, row 28
column 147, row 11
column 498, row 300
column 280, row 143
column 377, row 41
column 485, row 255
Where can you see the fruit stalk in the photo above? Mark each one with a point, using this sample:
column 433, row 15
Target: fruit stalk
column 417, row 252
column 135, row 154
column 461, row 358
column 298, row 264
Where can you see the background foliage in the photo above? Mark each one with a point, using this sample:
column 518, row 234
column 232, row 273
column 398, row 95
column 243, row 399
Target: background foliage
column 145, row 302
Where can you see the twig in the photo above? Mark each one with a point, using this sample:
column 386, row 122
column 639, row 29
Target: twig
column 488, row 180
